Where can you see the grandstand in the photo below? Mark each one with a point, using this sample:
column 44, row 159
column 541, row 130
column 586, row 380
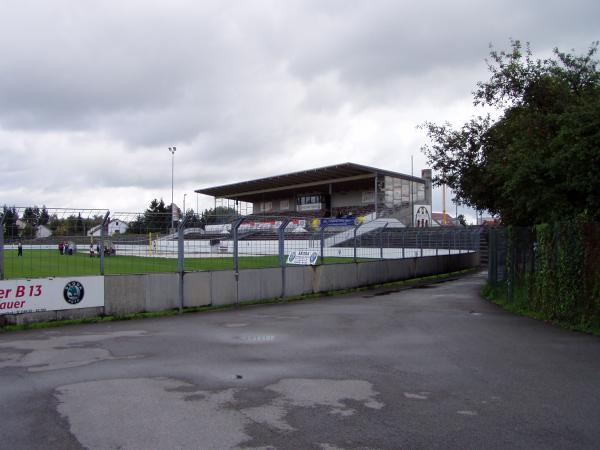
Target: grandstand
column 346, row 190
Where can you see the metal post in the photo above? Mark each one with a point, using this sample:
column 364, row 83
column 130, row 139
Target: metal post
column 281, row 233
column 2, row 247
column 421, row 241
column 172, row 150
column 437, row 243
column 355, row 230
column 403, row 241
column 181, row 260
column 105, row 222
column 412, row 200
column 322, row 242
column 381, row 241
column 236, row 262
column 375, row 200
column 454, row 241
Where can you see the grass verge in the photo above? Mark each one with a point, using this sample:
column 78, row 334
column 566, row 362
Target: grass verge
column 497, row 295
column 394, row 286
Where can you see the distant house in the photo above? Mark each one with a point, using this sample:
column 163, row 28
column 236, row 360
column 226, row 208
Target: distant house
column 21, row 224
column 437, row 220
column 43, row 231
column 115, row 226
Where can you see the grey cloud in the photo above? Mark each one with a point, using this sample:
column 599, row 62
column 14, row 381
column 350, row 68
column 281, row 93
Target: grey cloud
column 103, row 88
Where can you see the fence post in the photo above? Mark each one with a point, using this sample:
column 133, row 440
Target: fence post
column 322, row 239
column 455, row 247
column 181, row 259
column 437, row 243
column 381, row 241
column 2, row 247
column 421, row 241
column 281, row 233
column 236, row 261
column 102, row 228
column 403, row 241
column 355, row 230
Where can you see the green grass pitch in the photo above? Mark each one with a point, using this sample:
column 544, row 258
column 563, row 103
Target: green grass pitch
column 49, row 263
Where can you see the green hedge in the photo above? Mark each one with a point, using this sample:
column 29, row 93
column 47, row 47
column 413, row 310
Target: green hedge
column 553, row 270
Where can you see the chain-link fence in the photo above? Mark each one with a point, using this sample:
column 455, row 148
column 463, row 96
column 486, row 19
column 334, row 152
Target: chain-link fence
column 550, row 268
column 51, row 242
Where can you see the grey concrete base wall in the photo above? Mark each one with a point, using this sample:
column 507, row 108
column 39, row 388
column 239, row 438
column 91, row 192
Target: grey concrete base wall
column 196, row 289
column 49, row 316
column 299, row 280
column 128, row 294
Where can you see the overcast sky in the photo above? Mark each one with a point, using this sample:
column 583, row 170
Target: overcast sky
column 92, row 93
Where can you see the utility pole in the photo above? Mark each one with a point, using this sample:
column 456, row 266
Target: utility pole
column 172, row 150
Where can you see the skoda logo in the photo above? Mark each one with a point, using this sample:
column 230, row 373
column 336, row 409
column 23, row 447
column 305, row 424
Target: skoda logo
column 313, row 257
column 73, row 292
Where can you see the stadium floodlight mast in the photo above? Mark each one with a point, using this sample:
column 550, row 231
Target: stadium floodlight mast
column 172, row 150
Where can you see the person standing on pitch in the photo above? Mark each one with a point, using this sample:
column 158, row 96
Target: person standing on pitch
column 20, row 249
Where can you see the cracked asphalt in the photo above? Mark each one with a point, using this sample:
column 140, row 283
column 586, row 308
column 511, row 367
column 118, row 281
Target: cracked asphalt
column 429, row 367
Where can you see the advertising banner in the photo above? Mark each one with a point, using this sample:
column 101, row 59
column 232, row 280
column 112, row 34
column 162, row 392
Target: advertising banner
column 303, row 257
column 342, row 222
column 50, row 294
column 422, row 216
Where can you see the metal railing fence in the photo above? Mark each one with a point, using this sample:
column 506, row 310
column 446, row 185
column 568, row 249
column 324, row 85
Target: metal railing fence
column 51, row 242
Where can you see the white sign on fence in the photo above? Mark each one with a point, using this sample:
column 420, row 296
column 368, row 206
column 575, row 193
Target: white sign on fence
column 303, row 257
column 50, row 294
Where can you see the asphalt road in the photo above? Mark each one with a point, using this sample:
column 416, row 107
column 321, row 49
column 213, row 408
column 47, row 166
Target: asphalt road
column 432, row 367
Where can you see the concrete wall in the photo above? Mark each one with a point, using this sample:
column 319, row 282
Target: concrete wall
column 128, row 294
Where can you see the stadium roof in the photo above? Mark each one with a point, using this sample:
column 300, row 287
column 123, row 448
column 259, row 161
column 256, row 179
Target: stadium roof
column 320, row 176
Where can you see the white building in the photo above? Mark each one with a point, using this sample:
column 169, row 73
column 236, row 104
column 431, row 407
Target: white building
column 43, row 231
column 115, row 226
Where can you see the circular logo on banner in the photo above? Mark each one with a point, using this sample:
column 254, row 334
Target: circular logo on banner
column 73, row 292
column 313, row 257
column 292, row 256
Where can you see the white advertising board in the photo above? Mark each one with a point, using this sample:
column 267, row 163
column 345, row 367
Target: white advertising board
column 50, row 294
column 303, row 257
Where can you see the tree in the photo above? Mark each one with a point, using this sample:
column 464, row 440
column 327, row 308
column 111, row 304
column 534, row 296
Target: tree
column 539, row 160
column 156, row 218
column 11, row 230
column 220, row 214
column 44, row 217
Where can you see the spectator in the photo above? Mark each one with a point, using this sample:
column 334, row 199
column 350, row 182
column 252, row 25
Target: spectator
column 61, row 247
column 20, row 249
column 91, row 250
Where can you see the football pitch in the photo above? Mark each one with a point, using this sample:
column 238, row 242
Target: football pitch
column 49, row 263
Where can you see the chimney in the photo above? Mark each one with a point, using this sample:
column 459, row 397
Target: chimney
column 426, row 175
